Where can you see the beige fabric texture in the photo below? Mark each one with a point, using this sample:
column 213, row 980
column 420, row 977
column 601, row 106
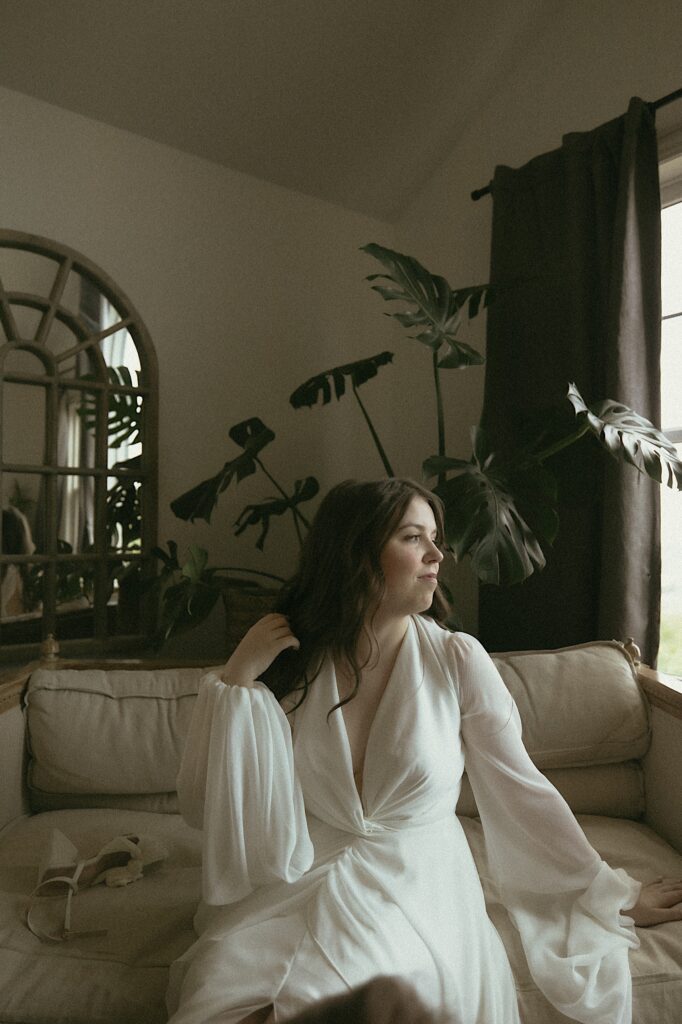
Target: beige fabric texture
column 616, row 790
column 122, row 977
column 120, row 733
column 656, row 966
column 579, row 705
column 115, row 732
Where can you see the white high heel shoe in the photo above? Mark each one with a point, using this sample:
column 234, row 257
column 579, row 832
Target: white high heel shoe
column 62, row 873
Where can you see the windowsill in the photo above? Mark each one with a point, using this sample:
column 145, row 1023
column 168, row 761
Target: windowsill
column 662, row 690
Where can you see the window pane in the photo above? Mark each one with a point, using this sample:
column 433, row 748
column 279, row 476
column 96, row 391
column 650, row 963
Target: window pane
column 670, row 653
column 124, row 514
column 22, row 603
column 76, row 428
column 671, row 372
column 23, row 516
column 23, row 424
column 26, row 320
column 19, row 360
column 125, row 428
column 671, row 242
column 75, row 502
column 123, row 609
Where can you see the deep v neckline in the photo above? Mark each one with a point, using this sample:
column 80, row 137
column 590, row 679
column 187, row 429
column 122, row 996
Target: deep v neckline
column 359, row 790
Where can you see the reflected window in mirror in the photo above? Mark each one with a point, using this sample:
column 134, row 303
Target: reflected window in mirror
column 78, row 480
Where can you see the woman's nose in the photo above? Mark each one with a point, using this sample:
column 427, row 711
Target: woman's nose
column 434, row 554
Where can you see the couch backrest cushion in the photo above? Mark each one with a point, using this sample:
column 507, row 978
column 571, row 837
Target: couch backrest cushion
column 115, row 738
column 613, row 790
column 117, row 735
column 579, row 705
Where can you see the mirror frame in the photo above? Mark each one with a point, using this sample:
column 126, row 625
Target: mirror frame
column 51, row 308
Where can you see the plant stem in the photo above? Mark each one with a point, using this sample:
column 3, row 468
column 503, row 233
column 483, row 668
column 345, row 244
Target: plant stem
column 561, row 444
column 375, row 436
column 439, row 414
column 294, row 511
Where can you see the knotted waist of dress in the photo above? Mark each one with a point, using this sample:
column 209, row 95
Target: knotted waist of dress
column 378, row 827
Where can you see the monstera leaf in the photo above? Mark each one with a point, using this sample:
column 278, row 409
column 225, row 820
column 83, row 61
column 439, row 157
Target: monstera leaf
column 627, row 435
column 260, row 514
column 499, row 514
column 123, row 418
column 124, row 510
column 198, row 503
column 320, row 386
column 436, row 307
column 358, row 372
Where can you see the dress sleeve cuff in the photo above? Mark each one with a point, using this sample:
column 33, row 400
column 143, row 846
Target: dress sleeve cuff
column 577, row 945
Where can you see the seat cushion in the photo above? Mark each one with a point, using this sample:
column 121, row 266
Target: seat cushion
column 121, row 976
column 656, row 966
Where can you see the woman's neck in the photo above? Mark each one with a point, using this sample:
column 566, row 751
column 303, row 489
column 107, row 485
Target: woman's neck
column 381, row 639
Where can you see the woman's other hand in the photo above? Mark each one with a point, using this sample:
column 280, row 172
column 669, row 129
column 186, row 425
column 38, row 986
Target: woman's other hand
column 659, row 901
column 258, row 649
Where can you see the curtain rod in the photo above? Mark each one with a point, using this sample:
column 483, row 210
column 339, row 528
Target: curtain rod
column 478, row 193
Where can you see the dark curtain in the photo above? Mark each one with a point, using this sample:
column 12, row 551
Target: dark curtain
column 576, row 270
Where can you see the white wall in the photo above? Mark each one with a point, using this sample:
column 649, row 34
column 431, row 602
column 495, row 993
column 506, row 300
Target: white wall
column 247, row 289
column 581, row 71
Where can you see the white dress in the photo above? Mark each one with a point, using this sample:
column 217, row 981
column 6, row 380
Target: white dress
column 310, row 888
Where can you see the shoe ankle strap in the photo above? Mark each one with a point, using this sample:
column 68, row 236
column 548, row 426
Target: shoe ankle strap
column 66, row 932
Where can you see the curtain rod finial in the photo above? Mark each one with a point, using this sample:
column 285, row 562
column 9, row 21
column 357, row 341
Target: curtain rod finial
column 478, row 193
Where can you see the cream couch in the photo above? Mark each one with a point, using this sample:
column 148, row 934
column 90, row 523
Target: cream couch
column 95, row 751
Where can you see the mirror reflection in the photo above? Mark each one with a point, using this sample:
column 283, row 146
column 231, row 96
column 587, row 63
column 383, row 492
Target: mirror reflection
column 72, row 419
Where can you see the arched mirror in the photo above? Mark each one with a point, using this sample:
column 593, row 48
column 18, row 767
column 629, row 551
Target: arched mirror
column 78, row 426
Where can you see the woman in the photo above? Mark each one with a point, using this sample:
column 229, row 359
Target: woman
column 332, row 853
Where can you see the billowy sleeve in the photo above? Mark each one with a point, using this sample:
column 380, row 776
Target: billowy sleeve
column 238, row 783
column 563, row 898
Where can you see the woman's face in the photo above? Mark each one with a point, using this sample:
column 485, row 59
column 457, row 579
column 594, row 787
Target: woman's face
column 410, row 560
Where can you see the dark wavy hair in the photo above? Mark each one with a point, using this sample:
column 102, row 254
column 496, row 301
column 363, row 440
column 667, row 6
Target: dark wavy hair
column 331, row 600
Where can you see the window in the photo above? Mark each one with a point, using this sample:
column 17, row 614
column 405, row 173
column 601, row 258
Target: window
column 670, row 654
column 78, row 412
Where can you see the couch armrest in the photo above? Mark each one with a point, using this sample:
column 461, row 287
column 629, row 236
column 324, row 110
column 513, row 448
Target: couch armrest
column 663, row 763
column 13, row 793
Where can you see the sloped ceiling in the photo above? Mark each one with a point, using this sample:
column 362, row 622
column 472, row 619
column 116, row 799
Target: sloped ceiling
column 353, row 101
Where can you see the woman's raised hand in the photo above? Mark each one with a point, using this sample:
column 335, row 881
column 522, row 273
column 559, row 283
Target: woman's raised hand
column 258, row 649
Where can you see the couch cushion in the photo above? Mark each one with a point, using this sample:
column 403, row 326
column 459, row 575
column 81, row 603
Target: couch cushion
column 656, row 966
column 616, row 790
column 579, row 705
column 110, row 734
column 123, row 975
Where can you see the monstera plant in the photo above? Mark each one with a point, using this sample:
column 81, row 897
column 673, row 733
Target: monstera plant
column 500, row 507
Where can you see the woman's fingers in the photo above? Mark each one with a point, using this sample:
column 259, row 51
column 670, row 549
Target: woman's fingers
column 659, row 901
column 280, row 632
column 266, row 639
column 665, row 914
column 287, row 640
